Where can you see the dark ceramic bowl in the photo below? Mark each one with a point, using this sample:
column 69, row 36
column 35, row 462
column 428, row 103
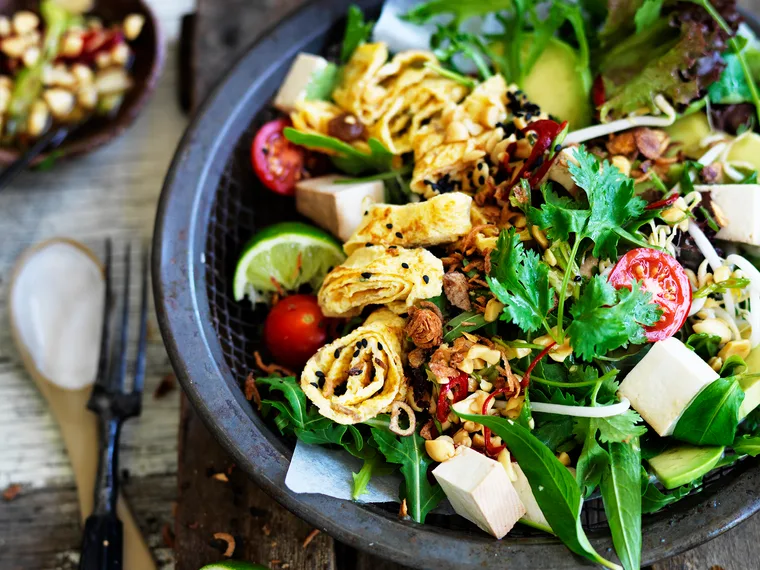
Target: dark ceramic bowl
column 211, row 204
column 149, row 53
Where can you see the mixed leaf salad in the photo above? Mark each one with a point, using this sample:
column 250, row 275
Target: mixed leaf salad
column 535, row 281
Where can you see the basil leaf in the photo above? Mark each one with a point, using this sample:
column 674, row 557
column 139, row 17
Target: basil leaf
column 464, row 322
column 747, row 445
column 357, row 32
column 555, row 490
column 421, row 496
column 621, row 495
column 713, row 416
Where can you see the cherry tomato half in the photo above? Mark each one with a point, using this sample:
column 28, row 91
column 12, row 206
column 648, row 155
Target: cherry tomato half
column 278, row 162
column 295, row 329
column 665, row 279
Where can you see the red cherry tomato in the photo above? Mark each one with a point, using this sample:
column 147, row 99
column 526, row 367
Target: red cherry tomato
column 278, row 162
column 295, row 329
column 665, row 279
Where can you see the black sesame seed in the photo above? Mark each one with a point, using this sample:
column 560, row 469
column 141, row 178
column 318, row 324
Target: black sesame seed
column 380, row 346
column 366, row 212
column 319, row 374
column 365, row 342
column 405, row 265
column 426, row 279
column 399, row 235
column 392, row 247
column 366, row 275
column 482, row 180
column 336, row 354
column 577, row 278
column 528, row 116
column 520, row 135
column 367, row 244
column 389, row 226
column 356, row 353
column 558, row 148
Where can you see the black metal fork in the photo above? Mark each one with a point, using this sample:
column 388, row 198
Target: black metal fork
column 114, row 403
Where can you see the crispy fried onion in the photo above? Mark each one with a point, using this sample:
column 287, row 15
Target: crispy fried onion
column 425, row 325
column 394, row 426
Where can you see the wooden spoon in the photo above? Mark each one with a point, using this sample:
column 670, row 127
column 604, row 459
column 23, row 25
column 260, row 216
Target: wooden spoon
column 69, row 402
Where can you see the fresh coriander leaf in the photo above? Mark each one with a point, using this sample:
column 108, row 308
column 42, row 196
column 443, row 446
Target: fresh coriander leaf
column 611, row 200
column 593, row 459
column 621, row 495
column 349, row 159
column 747, row 445
column 622, row 428
column 421, row 496
column 605, row 318
column 559, row 216
column 448, row 42
column 464, row 322
column 647, row 14
column 322, row 84
column 555, row 490
column 520, row 280
column 456, row 8
column 357, row 32
column 713, row 416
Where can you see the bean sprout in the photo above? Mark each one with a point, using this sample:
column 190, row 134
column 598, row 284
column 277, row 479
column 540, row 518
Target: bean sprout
column 582, row 411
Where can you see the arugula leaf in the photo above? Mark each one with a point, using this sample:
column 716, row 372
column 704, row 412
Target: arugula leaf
column 654, row 500
column 621, row 496
column 605, row 318
column 555, row 490
column 722, row 287
column 559, row 216
column 349, row 159
column 713, row 416
column 293, row 410
column 322, row 84
column 647, row 14
column 520, row 281
column 705, row 345
column 455, row 327
column 456, row 8
column 421, row 497
column 357, row 32
column 593, row 459
column 747, row 445
column 611, row 200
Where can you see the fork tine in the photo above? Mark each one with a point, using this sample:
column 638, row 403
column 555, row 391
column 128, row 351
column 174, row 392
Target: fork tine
column 119, row 373
column 143, row 340
column 105, row 335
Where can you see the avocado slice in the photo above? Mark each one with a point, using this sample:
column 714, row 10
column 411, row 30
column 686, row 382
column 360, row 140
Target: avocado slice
column 751, row 386
column 684, row 463
column 559, row 85
column 746, row 149
column 689, row 131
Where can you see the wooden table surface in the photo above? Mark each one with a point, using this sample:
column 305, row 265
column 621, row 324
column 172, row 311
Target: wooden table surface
column 114, row 192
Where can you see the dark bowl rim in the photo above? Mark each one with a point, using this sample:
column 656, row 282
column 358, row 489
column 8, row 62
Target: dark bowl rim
column 179, row 286
column 114, row 127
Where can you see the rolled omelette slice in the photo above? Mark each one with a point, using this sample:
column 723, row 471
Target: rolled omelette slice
column 358, row 376
column 392, row 276
column 441, row 219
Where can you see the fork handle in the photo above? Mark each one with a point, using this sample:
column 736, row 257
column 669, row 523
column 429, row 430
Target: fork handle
column 102, row 544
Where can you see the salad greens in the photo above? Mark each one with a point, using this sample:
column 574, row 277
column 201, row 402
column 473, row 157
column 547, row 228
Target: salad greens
column 357, row 32
column 349, row 159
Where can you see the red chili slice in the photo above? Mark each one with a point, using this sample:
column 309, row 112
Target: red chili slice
column 458, row 388
column 663, row 203
column 598, row 95
column 665, row 279
column 546, row 131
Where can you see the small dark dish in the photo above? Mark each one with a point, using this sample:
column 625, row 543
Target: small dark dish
column 149, row 51
column 211, row 204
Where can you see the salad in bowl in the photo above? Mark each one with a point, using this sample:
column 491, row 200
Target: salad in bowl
column 529, row 276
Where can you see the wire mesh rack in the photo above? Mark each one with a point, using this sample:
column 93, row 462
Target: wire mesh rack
column 241, row 207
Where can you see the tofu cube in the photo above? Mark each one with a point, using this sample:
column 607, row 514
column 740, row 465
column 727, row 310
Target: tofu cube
column 665, row 382
column 296, row 84
column 740, row 205
column 479, row 490
column 338, row 208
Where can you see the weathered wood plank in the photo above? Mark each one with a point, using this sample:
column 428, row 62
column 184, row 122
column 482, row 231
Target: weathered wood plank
column 264, row 532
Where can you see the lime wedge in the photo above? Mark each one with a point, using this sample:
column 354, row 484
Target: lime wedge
column 290, row 254
column 234, row 565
